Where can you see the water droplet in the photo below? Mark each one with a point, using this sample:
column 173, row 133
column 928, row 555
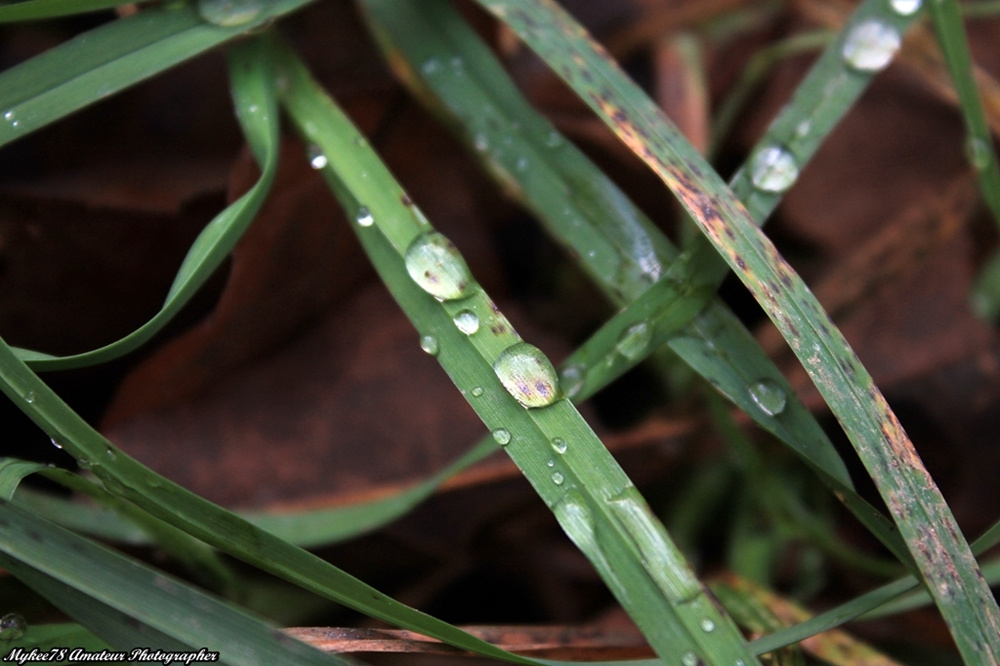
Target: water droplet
column 55, row 443
column 522, row 163
column 436, row 265
column 429, row 344
column 110, row 452
column 477, row 391
column 317, row 160
column 554, row 139
column 230, row 13
column 29, row 397
column 707, row 625
column 84, row 463
column 528, row 375
column 360, row 140
column 906, row 7
column 769, row 396
column 740, row 662
column 773, row 169
column 633, row 343
column 557, row 478
column 502, row 436
column 8, row 116
column 689, row 658
column 559, row 445
column 364, row 217
column 467, row 322
column 550, row 463
column 431, row 66
column 481, row 142
column 870, row 46
column 803, row 128
column 978, row 152
column 571, row 380
column 12, row 627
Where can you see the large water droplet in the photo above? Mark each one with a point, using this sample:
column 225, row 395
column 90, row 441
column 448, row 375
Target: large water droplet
column 317, row 160
column 870, row 45
column 12, row 627
column 978, row 152
column 559, row 445
column 230, row 13
column 769, row 396
column 633, row 343
column 773, row 169
column 571, row 380
column 429, row 344
column 364, row 217
column 436, row 265
column 467, row 322
column 502, row 436
column 906, row 7
column 528, row 375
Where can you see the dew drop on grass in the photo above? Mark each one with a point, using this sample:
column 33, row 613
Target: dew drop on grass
column 553, row 140
column 481, row 142
column 707, row 625
column 230, row 13
column 11, row 118
column 557, row 478
column 870, row 46
column 689, row 658
column 906, row 7
column 364, row 217
column 29, row 397
column 571, row 380
column 477, row 391
column 559, row 445
column 12, row 627
column 633, row 343
column 773, row 169
column 110, row 452
column 436, row 265
column 528, row 375
column 978, row 153
column 429, row 344
column 467, row 322
column 317, row 160
column 431, row 66
column 769, row 396
column 502, row 436
column 55, row 443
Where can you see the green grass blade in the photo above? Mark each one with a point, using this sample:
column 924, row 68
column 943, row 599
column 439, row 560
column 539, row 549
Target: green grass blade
column 925, row 521
column 567, row 465
column 111, row 594
column 45, row 637
column 32, row 10
column 256, row 109
column 450, row 68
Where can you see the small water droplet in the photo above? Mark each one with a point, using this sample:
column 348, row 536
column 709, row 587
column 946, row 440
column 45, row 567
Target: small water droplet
column 689, row 658
column 431, row 66
column 528, row 375
column 481, row 142
column 457, row 62
column 55, row 443
column 8, row 116
column 633, row 343
column 522, row 163
column 502, row 436
column 571, row 380
column 769, row 396
column 773, row 169
column 436, row 265
column 429, row 344
column 317, row 160
column 870, row 46
column 29, row 397
column 467, row 322
column 978, row 152
column 12, row 627
column 110, row 452
column 477, row 391
column 230, row 13
column 557, row 478
column 906, row 7
column 803, row 128
column 554, row 139
column 740, row 662
column 360, row 140
column 84, row 463
column 707, row 625
column 559, row 445
column 364, row 217
column 550, row 463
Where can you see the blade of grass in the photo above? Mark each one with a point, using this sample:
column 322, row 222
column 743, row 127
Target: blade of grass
column 32, row 10
column 946, row 563
column 593, row 500
column 111, row 594
column 449, row 67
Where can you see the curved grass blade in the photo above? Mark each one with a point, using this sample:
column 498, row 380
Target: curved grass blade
column 256, row 110
column 128, row 604
column 33, row 10
column 946, row 563
column 450, row 68
column 567, row 465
